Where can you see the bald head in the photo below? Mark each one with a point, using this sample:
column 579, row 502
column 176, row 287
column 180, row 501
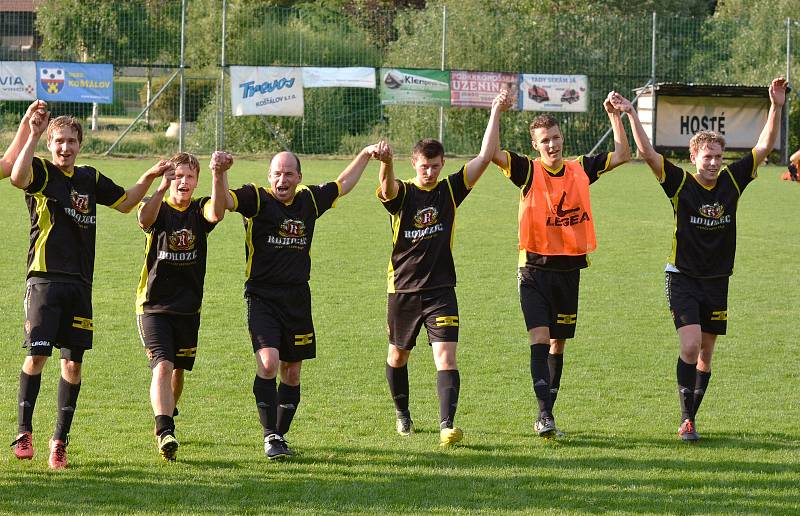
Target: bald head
column 284, row 161
column 284, row 176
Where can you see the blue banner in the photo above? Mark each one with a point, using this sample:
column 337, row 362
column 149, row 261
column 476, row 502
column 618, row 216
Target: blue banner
column 75, row 82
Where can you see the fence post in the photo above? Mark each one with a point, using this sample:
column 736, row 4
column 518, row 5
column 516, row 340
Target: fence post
column 653, row 53
column 182, row 101
column 444, row 42
column 221, row 87
column 785, row 118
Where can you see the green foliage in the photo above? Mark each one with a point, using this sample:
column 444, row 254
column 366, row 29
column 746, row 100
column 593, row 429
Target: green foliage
column 122, row 33
column 167, row 107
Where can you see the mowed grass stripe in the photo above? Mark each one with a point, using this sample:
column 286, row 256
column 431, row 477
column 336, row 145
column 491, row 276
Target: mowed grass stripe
column 618, row 400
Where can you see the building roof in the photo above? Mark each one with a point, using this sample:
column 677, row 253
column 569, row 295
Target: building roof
column 17, row 6
column 678, row 89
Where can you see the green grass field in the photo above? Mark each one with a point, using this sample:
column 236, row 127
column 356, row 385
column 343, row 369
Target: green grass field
column 618, row 401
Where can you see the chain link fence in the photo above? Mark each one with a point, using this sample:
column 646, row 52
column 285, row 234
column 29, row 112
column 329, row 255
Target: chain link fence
column 143, row 40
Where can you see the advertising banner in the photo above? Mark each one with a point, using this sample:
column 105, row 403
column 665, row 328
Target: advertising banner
column 553, row 92
column 739, row 120
column 75, row 82
column 478, row 89
column 354, row 77
column 17, row 80
column 266, row 90
column 417, row 87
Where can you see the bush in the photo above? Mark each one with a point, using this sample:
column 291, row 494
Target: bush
column 167, row 107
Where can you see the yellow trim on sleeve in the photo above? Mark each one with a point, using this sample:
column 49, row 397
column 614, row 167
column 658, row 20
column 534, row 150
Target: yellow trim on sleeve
column 338, row 193
column 754, row 172
column 235, row 200
column 507, row 169
column 119, row 201
column 663, row 176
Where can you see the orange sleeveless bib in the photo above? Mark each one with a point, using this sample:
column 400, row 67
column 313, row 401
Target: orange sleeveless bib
column 555, row 217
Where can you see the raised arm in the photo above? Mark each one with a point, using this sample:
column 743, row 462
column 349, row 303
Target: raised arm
column 349, row 177
column 497, row 156
column 388, row 184
column 221, row 161
column 15, row 147
column 22, row 171
column 766, row 140
column 135, row 193
column 490, row 146
column 654, row 159
column 622, row 149
column 148, row 213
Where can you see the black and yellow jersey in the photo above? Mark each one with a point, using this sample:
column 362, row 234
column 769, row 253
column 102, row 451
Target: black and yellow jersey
column 704, row 243
column 423, row 225
column 277, row 235
column 175, row 251
column 63, row 210
column 520, row 172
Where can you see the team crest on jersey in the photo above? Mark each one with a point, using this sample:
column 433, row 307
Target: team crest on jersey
column 712, row 211
column 181, row 240
column 292, row 228
column 80, row 202
column 426, row 217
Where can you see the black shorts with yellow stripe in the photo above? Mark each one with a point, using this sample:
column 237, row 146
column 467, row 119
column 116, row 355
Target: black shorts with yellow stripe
column 437, row 309
column 550, row 298
column 280, row 317
column 702, row 301
column 169, row 337
column 58, row 314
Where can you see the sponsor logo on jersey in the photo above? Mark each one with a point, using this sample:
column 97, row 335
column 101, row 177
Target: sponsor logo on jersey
column 712, row 211
column 80, row 202
column 566, row 217
column 712, row 215
column 426, row 217
column 292, row 228
column 181, row 240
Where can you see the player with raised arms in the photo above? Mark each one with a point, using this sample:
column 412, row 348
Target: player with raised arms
column 14, row 148
column 62, row 199
column 279, row 226
column 704, row 203
column 170, row 292
column 422, row 275
column 556, row 233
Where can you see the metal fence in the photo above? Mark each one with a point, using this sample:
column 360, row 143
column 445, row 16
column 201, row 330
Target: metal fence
column 189, row 45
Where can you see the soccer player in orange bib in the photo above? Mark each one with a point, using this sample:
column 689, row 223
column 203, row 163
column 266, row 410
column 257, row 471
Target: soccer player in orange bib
column 556, row 233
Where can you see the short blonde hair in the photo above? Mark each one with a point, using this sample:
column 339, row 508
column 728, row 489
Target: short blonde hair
column 184, row 158
column 703, row 138
column 62, row 122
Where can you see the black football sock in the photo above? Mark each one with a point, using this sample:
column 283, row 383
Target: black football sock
column 540, row 375
column 67, row 402
column 28, row 392
column 265, row 393
column 555, row 363
column 448, row 383
column 686, row 374
column 700, row 387
column 398, row 387
column 165, row 424
column 288, row 400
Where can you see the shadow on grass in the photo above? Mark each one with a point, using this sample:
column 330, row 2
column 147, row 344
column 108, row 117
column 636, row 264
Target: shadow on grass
column 477, row 477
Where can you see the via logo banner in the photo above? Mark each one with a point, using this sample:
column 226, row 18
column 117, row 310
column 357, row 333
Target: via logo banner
column 17, row 80
column 266, row 90
column 75, row 82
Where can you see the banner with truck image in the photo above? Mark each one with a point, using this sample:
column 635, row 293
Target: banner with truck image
column 553, row 92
